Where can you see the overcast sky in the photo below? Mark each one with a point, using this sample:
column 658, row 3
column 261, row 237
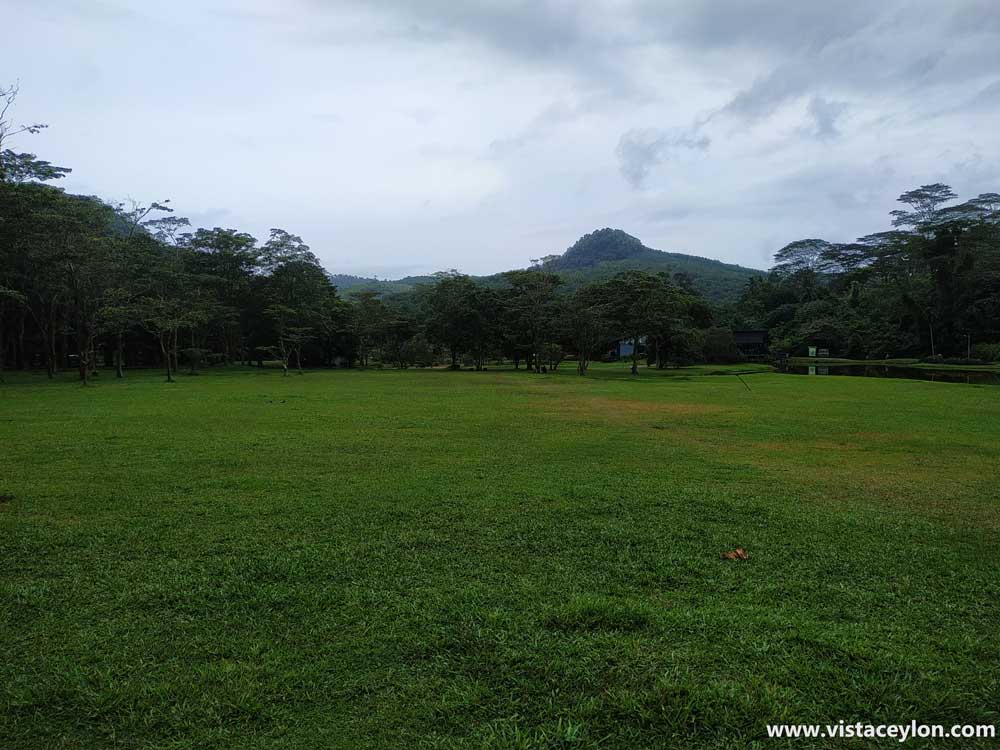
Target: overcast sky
column 408, row 136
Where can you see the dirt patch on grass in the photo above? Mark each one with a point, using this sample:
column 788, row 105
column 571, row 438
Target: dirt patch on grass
column 947, row 485
column 621, row 409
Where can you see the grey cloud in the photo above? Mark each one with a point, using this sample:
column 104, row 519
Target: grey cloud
column 764, row 24
column 825, row 114
column 574, row 37
column 525, row 29
column 988, row 98
column 548, row 121
column 977, row 17
column 767, row 94
column 641, row 149
column 985, row 101
column 853, row 44
column 542, row 124
column 888, row 50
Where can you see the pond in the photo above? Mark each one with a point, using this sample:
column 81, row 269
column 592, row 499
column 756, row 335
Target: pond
column 971, row 377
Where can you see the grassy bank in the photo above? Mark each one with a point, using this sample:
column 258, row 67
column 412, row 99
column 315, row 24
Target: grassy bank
column 834, row 361
column 464, row 560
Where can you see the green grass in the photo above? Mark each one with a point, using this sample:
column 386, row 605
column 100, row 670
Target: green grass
column 440, row 559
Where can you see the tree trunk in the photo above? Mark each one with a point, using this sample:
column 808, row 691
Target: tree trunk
column 165, row 350
column 50, row 353
column 3, row 343
column 635, row 354
column 173, row 349
column 19, row 350
column 81, row 362
column 120, row 356
column 51, row 361
column 82, row 344
column 63, row 341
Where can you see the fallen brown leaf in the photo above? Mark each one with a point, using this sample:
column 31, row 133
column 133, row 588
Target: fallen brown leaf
column 737, row 554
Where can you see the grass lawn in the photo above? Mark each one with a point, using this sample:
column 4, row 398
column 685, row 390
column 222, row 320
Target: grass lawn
column 441, row 559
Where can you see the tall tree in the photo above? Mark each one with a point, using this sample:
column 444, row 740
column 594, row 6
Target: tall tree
column 531, row 312
column 453, row 315
column 637, row 303
column 587, row 330
column 228, row 259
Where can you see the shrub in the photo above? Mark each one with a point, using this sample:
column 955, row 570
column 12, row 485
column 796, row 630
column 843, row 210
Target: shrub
column 720, row 346
column 988, row 352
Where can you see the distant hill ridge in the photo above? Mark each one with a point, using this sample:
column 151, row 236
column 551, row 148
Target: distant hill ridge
column 598, row 256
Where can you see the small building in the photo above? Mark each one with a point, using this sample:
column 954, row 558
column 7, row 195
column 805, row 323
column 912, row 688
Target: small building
column 751, row 343
column 624, row 348
column 820, row 346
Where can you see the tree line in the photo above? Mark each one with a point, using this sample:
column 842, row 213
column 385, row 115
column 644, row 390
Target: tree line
column 927, row 287
column 85, row 283
column 97, row 284
column 88, row 283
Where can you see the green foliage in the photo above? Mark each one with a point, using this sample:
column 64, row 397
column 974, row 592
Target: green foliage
column 931, row 285
column 597, row 257
column 603, row 254
column 988, row 352
column 460, row 316
column 598, row 247
column 19, row 168
column 719, row 346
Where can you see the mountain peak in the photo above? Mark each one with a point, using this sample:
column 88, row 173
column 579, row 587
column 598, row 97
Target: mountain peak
column 599, row 246
column 600, row 255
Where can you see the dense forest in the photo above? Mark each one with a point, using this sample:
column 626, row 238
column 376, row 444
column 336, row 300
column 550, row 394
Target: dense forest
column 86, row 284
column 928, row 286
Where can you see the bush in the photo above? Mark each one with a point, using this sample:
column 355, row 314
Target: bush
column 417, row 350
column 194, row 356
column 988, row 352
column 720, row 346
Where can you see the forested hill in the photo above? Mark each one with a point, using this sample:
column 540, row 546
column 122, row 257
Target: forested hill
column 348, row 283
column 598, row 256
column 601, row 254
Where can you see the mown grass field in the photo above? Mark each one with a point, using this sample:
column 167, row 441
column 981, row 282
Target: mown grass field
column 435, row 559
